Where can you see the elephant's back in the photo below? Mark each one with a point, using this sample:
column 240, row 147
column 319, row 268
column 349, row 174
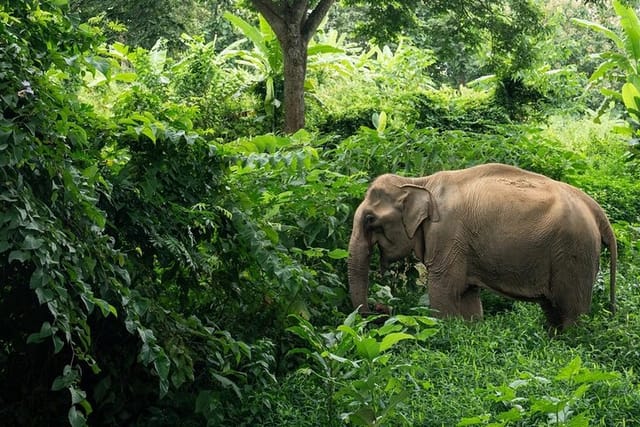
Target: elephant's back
column 499, row 195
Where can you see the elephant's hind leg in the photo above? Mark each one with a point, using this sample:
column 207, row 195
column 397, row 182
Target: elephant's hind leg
column 553, row 315
column 571, row 282
column 559, row 318
column 471, row 304
column 564, row 309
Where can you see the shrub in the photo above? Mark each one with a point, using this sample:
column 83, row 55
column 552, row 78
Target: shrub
column 112, row 243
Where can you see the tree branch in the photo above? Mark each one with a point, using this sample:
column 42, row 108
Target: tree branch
column 315, row 18
column 273, row 13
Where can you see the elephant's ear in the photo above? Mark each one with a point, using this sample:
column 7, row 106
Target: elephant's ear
column 418, row 206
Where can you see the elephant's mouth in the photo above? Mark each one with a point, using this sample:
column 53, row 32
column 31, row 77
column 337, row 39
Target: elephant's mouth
column 384, row 263
column 385, row 259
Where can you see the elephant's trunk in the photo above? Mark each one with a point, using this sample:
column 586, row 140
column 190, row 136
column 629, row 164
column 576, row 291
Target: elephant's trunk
column 358, row 264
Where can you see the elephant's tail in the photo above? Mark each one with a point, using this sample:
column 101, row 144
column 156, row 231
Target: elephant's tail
column 609, row 239
column 613, row 250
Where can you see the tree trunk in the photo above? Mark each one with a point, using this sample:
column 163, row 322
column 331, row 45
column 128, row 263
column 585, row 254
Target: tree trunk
column 294, row 50
column 294, row 24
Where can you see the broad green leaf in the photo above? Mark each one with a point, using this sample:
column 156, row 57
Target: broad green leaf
column 57, row 344
column 19, row 256
column 162, row 365
column 580, row 391
column 364, row 416
column 627, row 131
column 96, row 215
column 621, row 60
column 570, row 370
column 519, row 383
column 102, row 65
column 347, row 329
column 269, row 97
column 388, row 328
column 31, row 243
column 350, row 320
column 631, row 27
column 394, row 401
column 105, row 307
column 631, row 98
column 406, row 320
column 368, row 348
column 149, row 131
column 4, row 139
column 76, row 418
column 265, row 28
column 341, row 359
column 323, row 48
column 338, row 254
column 88, row 409
column 379, row 121
column 157, row 57
column 227, row 383
column 249, row 31
column 69, row 376
column 45, row 331
column 603, row 70
column 426, row 333
column 393, row 338
column 594, row 26
column 126, row 77
column 611, row 93
column 589, row 376
column 77, row 136
column 45, row 294
column 38, row 278
column 514, row 414
column 77, row 395
column 426, row 320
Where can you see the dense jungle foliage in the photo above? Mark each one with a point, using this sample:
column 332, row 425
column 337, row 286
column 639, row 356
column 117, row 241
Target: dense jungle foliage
column 169, row 257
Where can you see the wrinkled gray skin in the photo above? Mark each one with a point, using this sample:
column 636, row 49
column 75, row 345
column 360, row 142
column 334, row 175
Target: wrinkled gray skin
column 493, row 226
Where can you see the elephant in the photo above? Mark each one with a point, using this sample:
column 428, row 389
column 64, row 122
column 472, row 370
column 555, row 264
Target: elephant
column 497, row 227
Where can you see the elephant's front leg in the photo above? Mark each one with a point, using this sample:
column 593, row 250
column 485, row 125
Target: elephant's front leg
column 450, row 295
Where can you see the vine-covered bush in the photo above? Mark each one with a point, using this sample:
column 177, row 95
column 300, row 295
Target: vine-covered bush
column 60, row 268
column 114, row 252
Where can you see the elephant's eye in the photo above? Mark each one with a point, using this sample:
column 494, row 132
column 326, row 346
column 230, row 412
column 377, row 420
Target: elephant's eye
column 369, row 219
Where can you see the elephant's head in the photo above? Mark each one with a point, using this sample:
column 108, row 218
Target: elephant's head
column 390, row 217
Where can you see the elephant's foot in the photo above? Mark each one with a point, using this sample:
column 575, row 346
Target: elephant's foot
column 380, row 308
column 470, row 306
column 558, row 318
column 380, row 313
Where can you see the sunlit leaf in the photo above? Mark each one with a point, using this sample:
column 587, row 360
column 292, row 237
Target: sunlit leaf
column 392, row 339
column 368, row 348
column 338, row 254
column 570, row 370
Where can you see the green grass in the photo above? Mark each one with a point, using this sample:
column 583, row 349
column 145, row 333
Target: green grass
column 462, row 371
column 466, row 360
